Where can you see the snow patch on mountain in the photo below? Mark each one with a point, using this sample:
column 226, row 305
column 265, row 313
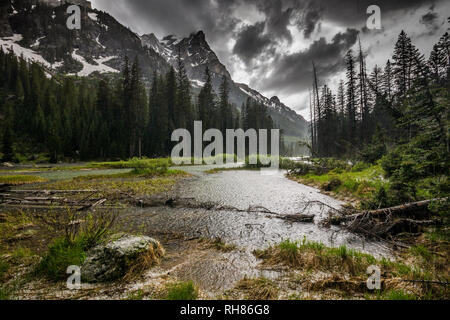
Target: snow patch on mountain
column 90, row 68
column 11, row 43
column 93, row 16
column 98, row 41
column 37, row 42
column 197, row 83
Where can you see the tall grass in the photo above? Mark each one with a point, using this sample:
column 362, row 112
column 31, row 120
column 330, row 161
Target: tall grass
column 82, row 231
column 315, row 255
column 134, row 163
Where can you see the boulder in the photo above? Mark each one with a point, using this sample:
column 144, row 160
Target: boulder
column 113, row 260
column 7, row 164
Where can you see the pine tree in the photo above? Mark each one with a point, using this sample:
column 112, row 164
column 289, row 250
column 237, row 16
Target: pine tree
column 8, row 153
column 185, row 117
column 226, row 115
column 387, row 81
column 137, row 110
column 206, row 103
column 171, row 99
column 401, row 66
column 351, row 97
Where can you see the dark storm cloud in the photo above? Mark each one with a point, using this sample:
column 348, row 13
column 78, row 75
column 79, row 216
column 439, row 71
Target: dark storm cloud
column 262, row 31
column 353, row 12
column 430, row 21
column 217, row 18
column 251, row 42
column 311, row 18
column 293, row 72
column 277, row 18
column 180, row 17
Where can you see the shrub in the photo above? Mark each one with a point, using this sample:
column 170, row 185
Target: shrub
column 380, row 200
column 91, row 227
column 360, row 166
column 373, row 152
column 182, row 291
column 62, row 254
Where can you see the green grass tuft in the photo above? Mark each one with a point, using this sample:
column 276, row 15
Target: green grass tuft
column 182, row 291
column 62, row 254
column 396, row 295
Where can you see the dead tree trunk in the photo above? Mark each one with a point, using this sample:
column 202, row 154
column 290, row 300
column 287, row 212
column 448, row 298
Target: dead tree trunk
column 414, row 209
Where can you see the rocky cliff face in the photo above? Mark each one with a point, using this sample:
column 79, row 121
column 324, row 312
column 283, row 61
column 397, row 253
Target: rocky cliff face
column 37, row 30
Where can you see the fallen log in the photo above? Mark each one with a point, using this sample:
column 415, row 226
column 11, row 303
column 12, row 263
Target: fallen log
column 305, row 218
column 92, row 206
column 442, row 283
column 412, row 210
column 50, row 191
column 192, row 203
column 44, row 199
column 405, row 225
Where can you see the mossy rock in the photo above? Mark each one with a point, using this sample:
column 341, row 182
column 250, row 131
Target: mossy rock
column 113, row 260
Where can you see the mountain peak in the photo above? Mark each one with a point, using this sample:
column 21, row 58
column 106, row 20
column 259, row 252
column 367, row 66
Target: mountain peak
column 275, row 99
column 149, row 39
column 200, row 35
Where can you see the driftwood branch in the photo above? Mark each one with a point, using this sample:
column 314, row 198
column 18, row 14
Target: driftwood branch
column 442, row 283
column 192, row 203
column 47, row 198
column 50, row 191
column 385, row 223
column 92, row 206
column 415, row 209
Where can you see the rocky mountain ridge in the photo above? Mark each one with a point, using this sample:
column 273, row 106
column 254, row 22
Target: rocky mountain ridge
column 37, row 30
column 197, row 55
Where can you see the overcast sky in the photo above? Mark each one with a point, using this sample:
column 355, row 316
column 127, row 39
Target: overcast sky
column 270, row 44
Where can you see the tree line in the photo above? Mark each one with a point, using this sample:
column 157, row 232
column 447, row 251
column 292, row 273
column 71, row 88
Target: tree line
column 398, row 113
column 108, row 117
column 401, row 100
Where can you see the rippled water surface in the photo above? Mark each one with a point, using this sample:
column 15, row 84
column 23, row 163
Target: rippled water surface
column 253, row 230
